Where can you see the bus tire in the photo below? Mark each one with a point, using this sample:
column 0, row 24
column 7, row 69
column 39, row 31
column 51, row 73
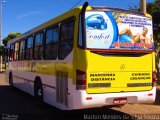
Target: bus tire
column 38, row 93
column 11, row 80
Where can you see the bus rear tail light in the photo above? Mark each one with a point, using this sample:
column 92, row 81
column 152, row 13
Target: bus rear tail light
column 154, row 78
column 150, row 94
column 88, row 98
column 80, row 80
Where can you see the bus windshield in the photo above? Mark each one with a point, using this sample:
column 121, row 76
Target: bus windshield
column 118, row 30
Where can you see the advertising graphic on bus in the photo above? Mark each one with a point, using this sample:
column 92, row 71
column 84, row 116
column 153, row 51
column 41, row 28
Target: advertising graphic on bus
column 113, row 30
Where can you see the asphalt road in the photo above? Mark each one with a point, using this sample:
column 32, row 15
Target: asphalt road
column 18, row 105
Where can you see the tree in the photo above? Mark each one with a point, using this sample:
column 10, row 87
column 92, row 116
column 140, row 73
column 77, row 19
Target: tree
column 9, row 37
column 154, row 10
column 1, row 50
column 6, row 39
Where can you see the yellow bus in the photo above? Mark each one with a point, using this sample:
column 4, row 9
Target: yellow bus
column 87, row 57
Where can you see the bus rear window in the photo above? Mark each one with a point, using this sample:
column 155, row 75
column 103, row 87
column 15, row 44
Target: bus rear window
column 115, row 30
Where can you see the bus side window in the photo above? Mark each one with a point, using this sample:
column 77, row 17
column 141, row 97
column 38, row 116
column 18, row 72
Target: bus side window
column 38, row 49
column 16, row 49
column 22, row 50
column 11, row 52
column 51, row 43
column 29, row 48
column 66, row 39
column 80, row 40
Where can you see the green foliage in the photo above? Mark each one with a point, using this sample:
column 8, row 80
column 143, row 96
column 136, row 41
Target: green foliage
column 10, row 36
column 154, row 10
column 2, row 51
column 158, row 36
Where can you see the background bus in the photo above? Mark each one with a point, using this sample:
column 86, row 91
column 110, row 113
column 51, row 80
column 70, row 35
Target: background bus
column 87, row 57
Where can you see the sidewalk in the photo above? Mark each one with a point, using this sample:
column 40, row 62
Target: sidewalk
column 2, row 79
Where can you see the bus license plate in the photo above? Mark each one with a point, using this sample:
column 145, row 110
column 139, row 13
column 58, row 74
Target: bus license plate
column 120, row 101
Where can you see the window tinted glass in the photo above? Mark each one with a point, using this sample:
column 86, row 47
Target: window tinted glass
column 22, row 50
column 11, row 52
column 51, row 44
column 67, row 36
column 16, row 51
column 29, row 49
column 38, row 49
column 38, row 39
column 49, row 36
column 80, row 42
column 30, row 42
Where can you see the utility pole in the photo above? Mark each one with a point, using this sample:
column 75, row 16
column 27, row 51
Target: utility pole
column 1, row 60
column 143, row 6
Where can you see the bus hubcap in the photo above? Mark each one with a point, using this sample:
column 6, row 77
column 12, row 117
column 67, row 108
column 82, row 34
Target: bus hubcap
column 39, row 92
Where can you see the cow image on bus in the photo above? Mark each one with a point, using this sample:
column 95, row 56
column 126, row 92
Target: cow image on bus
column 78, row 60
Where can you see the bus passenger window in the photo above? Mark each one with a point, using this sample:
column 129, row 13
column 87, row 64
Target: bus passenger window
column 51, row 43
column 29, row 49
column 38, row 49
column 66, row 40
column 11, row 52
column 22, row 50
column 16, row 49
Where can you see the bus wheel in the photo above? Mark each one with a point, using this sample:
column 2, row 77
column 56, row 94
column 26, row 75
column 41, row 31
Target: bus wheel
column 11, row 80
column 38, row 93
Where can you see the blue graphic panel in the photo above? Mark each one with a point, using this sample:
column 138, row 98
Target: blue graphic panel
column 96, row 21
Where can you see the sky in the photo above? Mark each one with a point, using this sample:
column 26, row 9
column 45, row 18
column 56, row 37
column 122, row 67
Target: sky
column 23, row 15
